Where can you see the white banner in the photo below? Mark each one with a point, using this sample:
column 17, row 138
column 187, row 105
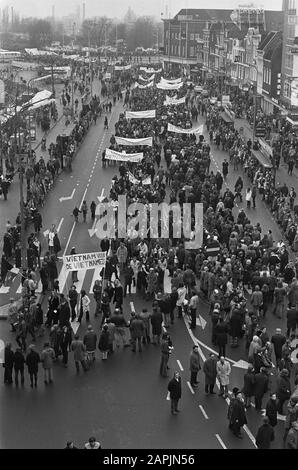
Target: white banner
column 174, row 101
column 123, row 157
column 134, row 180
column 168, row 86
column 2, row 92
column 179, row 130
column 134, row 142
column 140, row 114
column 147, row 79
column 84, row 261
column 144, row 86
column 171, row 82
column 150, row 70
column 122, row 67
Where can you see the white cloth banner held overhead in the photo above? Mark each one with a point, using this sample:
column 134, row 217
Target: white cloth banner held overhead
column 140, row 114
column 84, row 261
column 171, row 82
column 150, row 70
column 147, row 79
column 143, row 86
column 173, row 101
column 134, row 142
column 179, row 130
column 123, row 157
column 168, row 86
column 122, row 67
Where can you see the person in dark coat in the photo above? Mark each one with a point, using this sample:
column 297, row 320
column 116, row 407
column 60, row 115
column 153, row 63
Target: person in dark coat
column 137, row 330
column 44, row 277
column 283, row 391
column 174, row 387
column 194, row 366
column 271, row 410
column 57, row 246
column 8, row 364
column 261, row 387
column 236, row 323
column 236, row 413
column 221, row 334
column 103, row 343
column 65, row 341
column 18, row 363
column 32, row 361
column 210, row 371
column 248, row 386
column 64, row 311
column 118, row 294
column 156, row 322
column 265, row 435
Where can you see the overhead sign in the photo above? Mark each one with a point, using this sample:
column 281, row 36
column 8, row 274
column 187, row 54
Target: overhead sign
column 84, row 261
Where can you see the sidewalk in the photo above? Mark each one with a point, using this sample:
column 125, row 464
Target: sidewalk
column 282, row 173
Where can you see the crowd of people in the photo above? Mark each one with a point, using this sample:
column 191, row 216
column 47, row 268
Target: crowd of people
column 240, row 271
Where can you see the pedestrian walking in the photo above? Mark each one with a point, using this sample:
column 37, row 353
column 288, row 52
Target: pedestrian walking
column 137, row 331
column 84, row 210
column 65, row 340
column 103, row 343
column 19, row 364
column 283, row 390
column 78, row 348
column 175, row 391
column 47, row 359
column 248, row 386
column 236, row 413
column 248, row 197
column 74, row 274
column 265, row 435
column 92, row 210
column 291, row 441
column 84, row 306
column 156, row 323
column 194, row 366
column 90, row 341
column 8, row 364
column 223, row 373
column 278, row 340
column 32, row 361
column 73, row 301
column 165, row 349
column 210, row 371
column 261, row 387
column 271, row 410
column 225, row 168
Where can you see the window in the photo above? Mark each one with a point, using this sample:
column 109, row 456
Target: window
column 192, row 36
column 192, row 51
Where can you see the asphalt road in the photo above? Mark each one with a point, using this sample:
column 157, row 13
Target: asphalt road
column 121, row 401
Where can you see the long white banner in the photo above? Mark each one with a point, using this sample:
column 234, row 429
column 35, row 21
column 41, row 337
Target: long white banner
column 84, row 261
column 169, row 86
column 123, row 157
column 147, row 79
column 122, row 67
column 134, row 142
column 140, row 114
column 174, row 101
column 144, row 86
column 179, row 130
column 150, row 70
column 171, row 82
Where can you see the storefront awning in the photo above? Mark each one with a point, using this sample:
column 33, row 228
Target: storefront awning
column 226, row 118
column 264, row 161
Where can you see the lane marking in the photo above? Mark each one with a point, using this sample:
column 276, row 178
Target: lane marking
column 180, row 365
column 203, row 412
column 190, row 388
column 67, row 198
column 132, row 307
column 60, row 224
column 220, row 441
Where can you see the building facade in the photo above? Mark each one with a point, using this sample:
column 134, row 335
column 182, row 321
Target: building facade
column 290, row 56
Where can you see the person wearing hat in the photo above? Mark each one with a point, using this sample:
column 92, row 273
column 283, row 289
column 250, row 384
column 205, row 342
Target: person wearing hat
column 90, row 341
column 174, row 389
column 32, row 361
column 210, row 371
column 236, row 413
column 194, row 366
column 265, row 435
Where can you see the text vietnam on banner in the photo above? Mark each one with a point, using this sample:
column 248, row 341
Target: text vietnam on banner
column 84, row 261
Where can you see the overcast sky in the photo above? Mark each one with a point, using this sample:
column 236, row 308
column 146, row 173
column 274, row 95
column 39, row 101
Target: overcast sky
column 118, row 8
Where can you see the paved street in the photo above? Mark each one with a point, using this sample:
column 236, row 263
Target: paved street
column 122, row 401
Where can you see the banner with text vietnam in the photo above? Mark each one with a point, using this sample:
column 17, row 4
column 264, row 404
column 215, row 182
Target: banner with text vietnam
column 179, row 130
column 123, row 157
column 84, row 261
column 134, row 142
column 150, row 114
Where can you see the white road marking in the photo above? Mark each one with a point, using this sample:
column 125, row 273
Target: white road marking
column 60, row 224
column 203, row 412
column 67, row 198
column 180, row 365
column 190, row 388
column 220, row 441
column 132, row 307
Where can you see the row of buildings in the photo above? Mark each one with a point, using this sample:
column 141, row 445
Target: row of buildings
column 248, row 47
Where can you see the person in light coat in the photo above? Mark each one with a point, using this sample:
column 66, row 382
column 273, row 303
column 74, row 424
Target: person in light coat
column 223, row 369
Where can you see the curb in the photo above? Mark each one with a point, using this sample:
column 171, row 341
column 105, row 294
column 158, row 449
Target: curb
column 47, row 133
